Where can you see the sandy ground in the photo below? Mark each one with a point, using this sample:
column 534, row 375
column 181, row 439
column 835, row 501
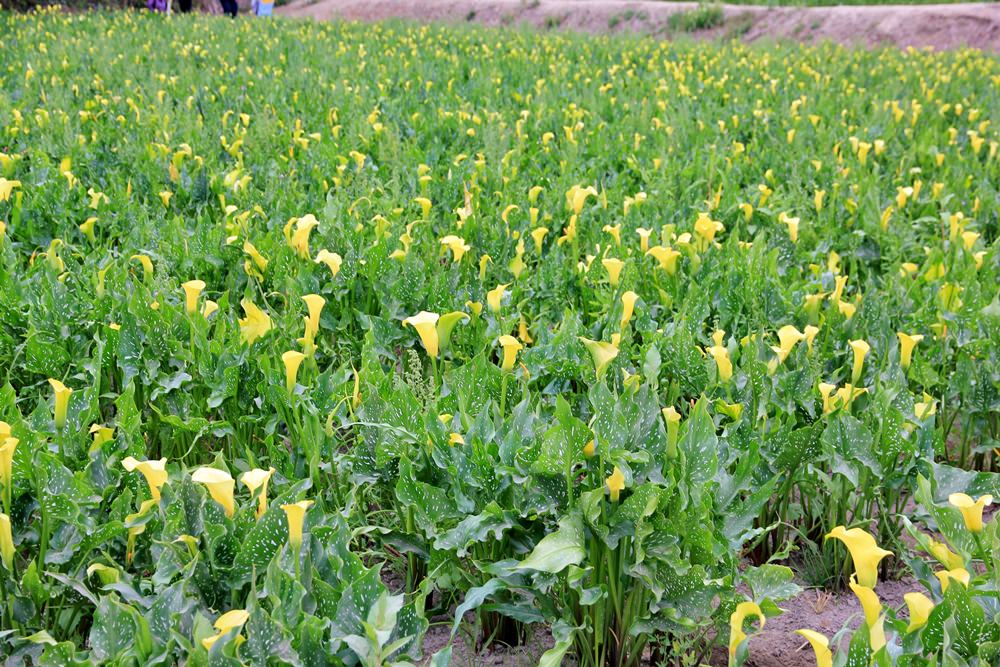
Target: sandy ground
column 937, row 26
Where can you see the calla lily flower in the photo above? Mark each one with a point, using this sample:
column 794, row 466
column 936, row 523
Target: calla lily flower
column 614, row 268
column 192, row 290
column 457, row 245
column 666, row 257
column 315, row 303
column 6, row 543
column 258, row 259
column 220, row 485
column 495, row 296
column 615, row 483
column 538, row 234
column 810, row 335
column 62, row 394
column 920, row 607
column 628, row 307
column 906, row 345
column 256, row 323
column 788, row 337
column 258, row 479
column 706, row 229
column 425, row 206
column 299, row 240
column 332, row 260
column 576, row 196
column 590, row 449
column 944, row 555
column 6, row 187
column 445, row 325
column 721, row 356
column 644, row 235
column 510, row 346
column 673, row 419
column 292, row 360
column 102, row 434
column 874, row 619
column 972, row 510
column 959, row 574
column 860, row 348
column 8, row 446
column 296, row 515
column 87, row 229
column 602, row 353
column 792, row 224
column 865, row 553
column 426, row 325
column 820, row 645
column 236, row 618
column 743, row 610
column 165, row 196
column 155, row 473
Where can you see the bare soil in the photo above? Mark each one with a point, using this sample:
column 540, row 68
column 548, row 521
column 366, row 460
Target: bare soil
column 938, row 26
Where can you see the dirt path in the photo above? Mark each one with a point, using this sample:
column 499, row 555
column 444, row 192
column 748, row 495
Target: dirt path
column 938, row 26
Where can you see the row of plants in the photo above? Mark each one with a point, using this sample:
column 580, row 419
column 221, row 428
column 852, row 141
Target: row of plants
column 371, row 332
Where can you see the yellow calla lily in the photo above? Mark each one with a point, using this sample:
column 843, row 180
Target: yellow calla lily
column 788, row 337
column 865, row 553
column 6, row 543
column 590, row 449
column 155, row 473
column 874, row 619
column 538, row 234
column 425, row 206
column 614, row 268
column 495, row 296
column 147, row 265
column 860, row 348
column 510, row 346
column 426, row 325
column 292, row 359
column 721, row 356
column 972, row 510
column 314, row 303
column 192, row 290
column 229, row 621
column 446, row 324
column 296, row 515
column 8, row 446
column 258, row 479
column 959, row 574
column 61, row 403
column 820, row 646
column 602, row 353
column 628, row 307
column 332, row 260
column 258, row 259
column 920, row 607
column 906, row 345
column 457, row 245
column 666, row 257
column 743, row 610
column 220, row 485
column 673, row 419
column 256, row 323
column 299, row 240
column 944, row 555
column 615, row 484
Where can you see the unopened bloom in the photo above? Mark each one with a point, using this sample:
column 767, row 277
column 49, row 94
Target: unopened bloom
column 860, row 348
column 906, row 345
column 510, row 346
column 920, row 607
column 292, row 359
column 296, row 515
column 615, row 483
column 62, row 394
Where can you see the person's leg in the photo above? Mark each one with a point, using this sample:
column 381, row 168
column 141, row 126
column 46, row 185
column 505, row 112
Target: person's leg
column 229, row 7
column 184, row 6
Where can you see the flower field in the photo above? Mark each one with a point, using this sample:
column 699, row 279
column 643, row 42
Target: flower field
column 316, row 335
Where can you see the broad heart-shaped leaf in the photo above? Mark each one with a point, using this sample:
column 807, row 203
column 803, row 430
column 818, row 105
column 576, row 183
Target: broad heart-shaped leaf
column 562, row 442
column 851, row 446
column 949, row 479
column 114, row 630
column 699, row 446
column 476, row 528
column 558, row 550
column 554, row 656
column 475, row 597
column 788, row 450
column 859, row 653
column 970, row 621
column 432, row 505
column 948, row 520
column 771, row 582
column 260, row 545
column 476, row 383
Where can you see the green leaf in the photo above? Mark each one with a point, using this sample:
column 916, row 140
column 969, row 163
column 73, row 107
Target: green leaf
column 558, row 550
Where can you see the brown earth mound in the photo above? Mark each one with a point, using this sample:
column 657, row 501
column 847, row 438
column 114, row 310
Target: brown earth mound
column 938, row 26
